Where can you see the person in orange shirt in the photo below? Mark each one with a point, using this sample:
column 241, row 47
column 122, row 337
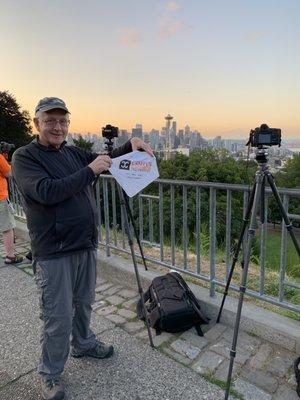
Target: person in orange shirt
column 7, row 221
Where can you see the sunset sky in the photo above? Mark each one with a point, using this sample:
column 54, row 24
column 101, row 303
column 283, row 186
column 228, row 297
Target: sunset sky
column 223, row 67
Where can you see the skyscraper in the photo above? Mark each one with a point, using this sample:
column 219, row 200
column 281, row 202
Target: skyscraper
column 168, row 119
column 137, row 131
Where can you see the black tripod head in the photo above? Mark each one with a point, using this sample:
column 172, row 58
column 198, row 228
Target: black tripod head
column 110, row 132
column 261, row 155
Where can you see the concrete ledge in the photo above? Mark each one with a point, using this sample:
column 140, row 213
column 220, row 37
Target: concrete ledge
column 265, row 324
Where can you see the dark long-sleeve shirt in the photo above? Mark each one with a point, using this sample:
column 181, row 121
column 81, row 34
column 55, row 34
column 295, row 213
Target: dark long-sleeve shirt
column 55, row 185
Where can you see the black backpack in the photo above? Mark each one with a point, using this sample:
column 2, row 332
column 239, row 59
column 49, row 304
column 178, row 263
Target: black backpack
column 171, row 305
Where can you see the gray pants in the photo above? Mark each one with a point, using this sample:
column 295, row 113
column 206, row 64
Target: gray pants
column 67, row 290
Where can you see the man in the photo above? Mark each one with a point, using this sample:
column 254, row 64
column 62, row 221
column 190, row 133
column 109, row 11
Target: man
column 7, row 222
column 55, row 182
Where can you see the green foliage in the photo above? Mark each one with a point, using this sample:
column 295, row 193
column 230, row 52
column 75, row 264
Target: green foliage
column 290, row 174
column 14, row 123
column 82, row 143
column 207, row 166
column 255, row 250
column 288, row 177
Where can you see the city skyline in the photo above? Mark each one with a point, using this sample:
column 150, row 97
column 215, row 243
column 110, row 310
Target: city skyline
column 223, row 68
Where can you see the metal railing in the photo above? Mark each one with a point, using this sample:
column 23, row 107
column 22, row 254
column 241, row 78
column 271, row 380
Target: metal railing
column 192, row 227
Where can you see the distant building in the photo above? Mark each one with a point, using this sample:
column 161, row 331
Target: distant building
column 183, row 150
column 123, row 137
column 154, row 139
column 218, row 143
column 187, row 132
column 234, row 145
column 137, row 131
column 180, row 137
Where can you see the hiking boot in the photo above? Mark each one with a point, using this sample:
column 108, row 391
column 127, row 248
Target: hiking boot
column 101, row 350
column 52, row 389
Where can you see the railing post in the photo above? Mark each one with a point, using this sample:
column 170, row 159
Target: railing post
column 150, row 220
column 106, row 218
column 161, row 221
column 172, row 200
column 228, row 231
column 113, row 194
column 283, row 250
column 198, row 230
column 212, row 240
column 263, row 236
column 98, row 204
column 184, row 228
column 141, row 218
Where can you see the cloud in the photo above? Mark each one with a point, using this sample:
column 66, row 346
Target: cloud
column 172, row 6
column 130, row 37
column 254, row 36
column 169, row 27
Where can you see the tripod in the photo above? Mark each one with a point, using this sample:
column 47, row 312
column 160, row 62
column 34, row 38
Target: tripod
column 128, row 218
column 256, row 197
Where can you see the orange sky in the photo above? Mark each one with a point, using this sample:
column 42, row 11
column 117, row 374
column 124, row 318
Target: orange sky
column 222, row 69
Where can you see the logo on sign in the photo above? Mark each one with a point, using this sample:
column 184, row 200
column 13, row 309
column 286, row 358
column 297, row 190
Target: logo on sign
column 125, row 164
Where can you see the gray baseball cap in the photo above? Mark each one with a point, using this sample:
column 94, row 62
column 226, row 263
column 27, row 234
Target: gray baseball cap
column 50, row 103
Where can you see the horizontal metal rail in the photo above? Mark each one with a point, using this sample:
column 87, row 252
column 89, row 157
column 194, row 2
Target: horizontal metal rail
column 192, row 227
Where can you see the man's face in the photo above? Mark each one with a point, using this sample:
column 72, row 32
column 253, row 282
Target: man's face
column 52, row 127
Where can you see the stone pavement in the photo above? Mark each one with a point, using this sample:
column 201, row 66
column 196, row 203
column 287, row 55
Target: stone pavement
column 182, row 366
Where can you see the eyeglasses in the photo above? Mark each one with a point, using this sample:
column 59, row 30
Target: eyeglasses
column 52, row 122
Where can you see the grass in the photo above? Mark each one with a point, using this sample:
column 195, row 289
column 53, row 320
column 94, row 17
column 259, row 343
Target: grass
column 208, row 377
column 222, row 385
column 273, row 246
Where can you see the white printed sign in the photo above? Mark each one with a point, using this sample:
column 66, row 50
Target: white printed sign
column 134, row 171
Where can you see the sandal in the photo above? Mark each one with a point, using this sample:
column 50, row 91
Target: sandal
column 13, row 260
column 297, row 374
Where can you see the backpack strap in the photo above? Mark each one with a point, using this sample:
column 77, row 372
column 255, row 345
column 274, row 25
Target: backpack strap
column 192, row 297
column 139, row 306
column 199, row 330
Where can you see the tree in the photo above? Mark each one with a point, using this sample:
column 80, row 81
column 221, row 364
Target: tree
column 290, row 174
column 288, row 177
column 208, row 165
column 82, row 143
column 14, row 123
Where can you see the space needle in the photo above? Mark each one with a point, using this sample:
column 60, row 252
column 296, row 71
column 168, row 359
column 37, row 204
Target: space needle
column 168, row 119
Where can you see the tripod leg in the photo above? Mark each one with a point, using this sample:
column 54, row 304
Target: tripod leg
column 284, row 215
column 262, row 201
column 134, row 228
column 242, row 289
column 130, row 241
column 237, row 250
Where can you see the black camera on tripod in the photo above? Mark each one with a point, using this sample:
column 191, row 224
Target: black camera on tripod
column 6, row 148
column 110, row 132
column 264, row 136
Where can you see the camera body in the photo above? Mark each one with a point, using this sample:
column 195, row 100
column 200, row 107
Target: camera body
column 265, row 136
column 6, row 147
column 110, row 132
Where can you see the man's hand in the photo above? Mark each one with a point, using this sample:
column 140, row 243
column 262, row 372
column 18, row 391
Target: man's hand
column 138, row 144
column 100, row 164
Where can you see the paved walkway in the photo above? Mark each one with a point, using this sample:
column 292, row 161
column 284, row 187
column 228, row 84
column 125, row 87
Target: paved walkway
column 182, row 365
